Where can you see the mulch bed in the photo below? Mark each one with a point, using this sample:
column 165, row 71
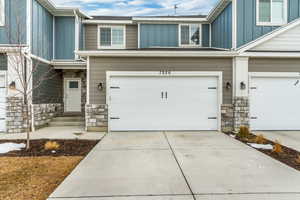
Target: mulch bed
column 66, row 148
column 288, row 156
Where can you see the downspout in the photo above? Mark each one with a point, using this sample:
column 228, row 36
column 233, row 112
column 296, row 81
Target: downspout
column 76, row 33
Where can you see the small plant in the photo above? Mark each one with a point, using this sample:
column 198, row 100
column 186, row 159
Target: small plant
column 277, row 148
column 260, row 139
column 51, row 145
column 244, row 132
column 298, row 159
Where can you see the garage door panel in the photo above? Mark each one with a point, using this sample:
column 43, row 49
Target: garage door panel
column 188, row 103
column 274, row 103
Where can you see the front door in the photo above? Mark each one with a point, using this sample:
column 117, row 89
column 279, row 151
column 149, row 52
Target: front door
column 72, row 95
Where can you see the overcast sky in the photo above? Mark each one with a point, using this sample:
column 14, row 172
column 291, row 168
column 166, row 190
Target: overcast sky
column 140, row 7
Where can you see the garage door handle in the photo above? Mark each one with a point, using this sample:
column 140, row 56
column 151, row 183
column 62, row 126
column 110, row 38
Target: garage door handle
column 162, row 95
column 253, row 117
column 212, row 118
column 115, row 118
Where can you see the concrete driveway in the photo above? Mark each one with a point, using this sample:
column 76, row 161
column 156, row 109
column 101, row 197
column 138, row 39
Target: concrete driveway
column 287, row 138
column 178, row 166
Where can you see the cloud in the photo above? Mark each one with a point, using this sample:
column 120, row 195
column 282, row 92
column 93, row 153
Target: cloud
column 140, row 7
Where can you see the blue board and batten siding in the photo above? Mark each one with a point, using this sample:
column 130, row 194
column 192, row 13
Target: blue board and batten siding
column 221, row 29
column 205, row 35
column 14, row 31
column 158, row 35
column 3, row 62
column 247, row 30
column 64, row 38
column 42, row 31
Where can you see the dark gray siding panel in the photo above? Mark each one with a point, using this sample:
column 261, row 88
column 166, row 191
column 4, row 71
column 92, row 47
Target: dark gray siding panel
column 274, row 65
column 91, row 37
column 42, row 31
column 99, row 66
column 3, row 62
column 205, row 35
column 64, row 37
column 158, row 35
column 14, row 31
column 50, row 82
column 247, row 30
column 221, row 29
column 81, row 35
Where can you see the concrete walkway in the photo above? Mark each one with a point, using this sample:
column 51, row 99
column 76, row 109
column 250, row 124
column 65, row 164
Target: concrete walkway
column 287, row 138
column 178, row 166
column 56, row 133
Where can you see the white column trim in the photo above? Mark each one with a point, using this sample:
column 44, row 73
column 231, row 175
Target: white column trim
column 241, row 74
column 234, row 24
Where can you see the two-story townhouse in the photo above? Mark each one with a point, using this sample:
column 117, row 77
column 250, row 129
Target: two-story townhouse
column 239, row 65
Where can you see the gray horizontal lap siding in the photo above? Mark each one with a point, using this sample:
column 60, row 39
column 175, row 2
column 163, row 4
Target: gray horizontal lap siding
column 3, row 62
column 14, row 31
column 42, row 31
column 91, row 34
column 274, row 65
column 247, row 30
column 99, row 66
column 64, row 37
column 49, row 82
column 221, row 29
column 159, row 35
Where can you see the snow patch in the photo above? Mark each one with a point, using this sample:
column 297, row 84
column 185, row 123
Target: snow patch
column 261, row 146
column 7, row 147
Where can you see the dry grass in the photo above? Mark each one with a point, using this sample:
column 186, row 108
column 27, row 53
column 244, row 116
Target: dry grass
column 260, row 139
column 51, row 145
column 244, row 132
column 277, row 148
column 298, row 159
column 33, row 178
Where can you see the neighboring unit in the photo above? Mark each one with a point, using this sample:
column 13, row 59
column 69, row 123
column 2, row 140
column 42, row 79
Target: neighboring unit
column 239, row 65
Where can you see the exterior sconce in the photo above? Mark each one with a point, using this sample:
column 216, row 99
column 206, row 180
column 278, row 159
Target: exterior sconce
column 100, row 86
column 228, row 85
column 12, row 85
column 242, row 86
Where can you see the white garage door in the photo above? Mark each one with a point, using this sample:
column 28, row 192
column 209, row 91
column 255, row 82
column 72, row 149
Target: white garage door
column 163, row 103
column 275, row 103
column 2, row 102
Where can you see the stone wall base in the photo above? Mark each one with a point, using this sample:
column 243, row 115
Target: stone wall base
column 227, row 115
column 96, row 117
column 44, row 113
column 241, row 112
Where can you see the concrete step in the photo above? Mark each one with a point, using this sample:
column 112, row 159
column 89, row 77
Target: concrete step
column 68, row 119
column 66, row 123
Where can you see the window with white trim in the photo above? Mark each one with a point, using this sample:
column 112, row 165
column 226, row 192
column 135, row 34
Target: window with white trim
column 2, row 13
column 111, row 37
column 190, row 35
column 271, row 12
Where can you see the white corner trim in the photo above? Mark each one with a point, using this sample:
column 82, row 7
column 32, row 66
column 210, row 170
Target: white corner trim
column 269, row 36
column 76, row 18
column 210, row 35
column 139, row 35
column 234, row 24
column 53, row 45
column 28, row 25
column 88, row 81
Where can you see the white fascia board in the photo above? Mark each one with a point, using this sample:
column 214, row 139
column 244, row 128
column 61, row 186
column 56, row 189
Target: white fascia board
column 68, row 63
column 107, row 22
column 125, row 53
column 269, row 36
column 68, row 67
column 217, row 9
column 271, row 54
column 171, row 19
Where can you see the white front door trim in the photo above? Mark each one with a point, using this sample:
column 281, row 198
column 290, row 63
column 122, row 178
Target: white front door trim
column 65, row 91
column 217, row 74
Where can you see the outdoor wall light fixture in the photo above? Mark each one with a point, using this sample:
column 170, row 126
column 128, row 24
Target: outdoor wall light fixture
column 12, row 85
column 100, row 86
column 243, row 85
column 228, row 85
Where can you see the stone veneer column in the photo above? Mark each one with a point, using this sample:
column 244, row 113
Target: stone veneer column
column 227, row 118
column 240, row 92
column 96, row 117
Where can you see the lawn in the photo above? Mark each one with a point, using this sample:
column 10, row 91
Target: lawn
column 35, row 173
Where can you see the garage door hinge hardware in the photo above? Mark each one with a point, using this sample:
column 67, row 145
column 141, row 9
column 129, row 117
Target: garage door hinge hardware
column 114, row 87
column 115, row 118
column 253, row 88
column 212, row 88
column 212, row 118
column 253, row 117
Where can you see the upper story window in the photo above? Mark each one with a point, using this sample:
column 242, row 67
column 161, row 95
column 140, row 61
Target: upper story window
column 271, row 12
column 190, row 35
column 111, row 37
column 2, row 13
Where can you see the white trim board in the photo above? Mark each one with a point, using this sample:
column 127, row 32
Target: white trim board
column 274, row 74
column 217, row 74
